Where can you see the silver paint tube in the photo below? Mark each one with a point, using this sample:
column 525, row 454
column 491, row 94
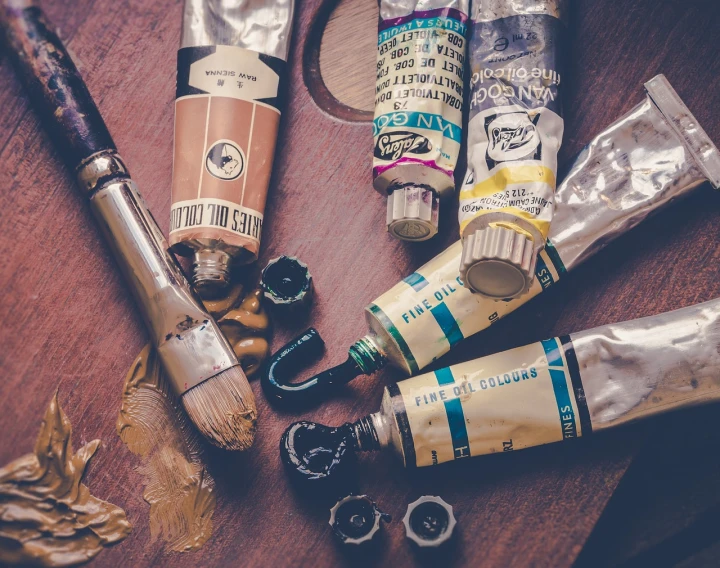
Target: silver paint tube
column 551, row 391
column 514, row 135
column 231, row 67
column 417, row 128
column 655, row 154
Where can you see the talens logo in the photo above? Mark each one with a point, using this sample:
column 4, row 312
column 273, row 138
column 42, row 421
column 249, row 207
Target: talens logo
column 512, row 136
column 509, row 139
column 394, row 146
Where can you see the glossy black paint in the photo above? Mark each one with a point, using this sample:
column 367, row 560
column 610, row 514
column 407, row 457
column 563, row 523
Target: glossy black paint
column 282, row 366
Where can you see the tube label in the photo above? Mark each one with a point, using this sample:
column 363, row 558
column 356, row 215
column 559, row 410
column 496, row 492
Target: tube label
column 515, row 128
column 419, row 93
column 509, row 401
column 227, row 115
column 430, row 311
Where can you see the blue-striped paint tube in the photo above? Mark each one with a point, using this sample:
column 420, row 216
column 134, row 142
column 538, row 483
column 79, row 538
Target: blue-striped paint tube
column 417, row 129
column 551, row 391
column 655, row 154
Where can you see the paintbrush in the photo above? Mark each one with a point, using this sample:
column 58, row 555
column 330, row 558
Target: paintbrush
column 196, row 356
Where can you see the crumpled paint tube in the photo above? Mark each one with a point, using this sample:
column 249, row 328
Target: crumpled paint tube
column 417, row 128
column 655, row 154
column 550, row 391
column 514, row 135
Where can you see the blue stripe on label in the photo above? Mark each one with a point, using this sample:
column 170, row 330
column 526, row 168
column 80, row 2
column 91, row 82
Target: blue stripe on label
column 567, row 416
column 456, row 417
column 445, row 376
column 552, row 352
column 559, row 383
column 417, row 281
column 543, row 274
column 554, row 257
column 447, row 323
column 442, row 22
column 402, row 119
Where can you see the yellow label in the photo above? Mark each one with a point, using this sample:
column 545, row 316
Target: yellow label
column 431, row 311
column 509, row 401
column 512, row 165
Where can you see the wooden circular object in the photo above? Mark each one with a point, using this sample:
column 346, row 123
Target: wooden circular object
column 340, row 56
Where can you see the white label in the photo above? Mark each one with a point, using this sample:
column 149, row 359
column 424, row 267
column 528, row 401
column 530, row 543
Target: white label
column 509, row 401
column 207, row 212
column 234, row 72
column 419, row 90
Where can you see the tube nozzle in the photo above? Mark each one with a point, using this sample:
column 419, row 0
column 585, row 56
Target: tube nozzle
column 211, row 272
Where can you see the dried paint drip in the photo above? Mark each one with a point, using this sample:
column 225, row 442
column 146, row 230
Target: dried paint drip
column 177, row 486
column 246, row 326
column 48, row 517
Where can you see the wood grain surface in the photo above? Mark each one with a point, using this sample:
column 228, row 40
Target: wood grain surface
column 68, row 319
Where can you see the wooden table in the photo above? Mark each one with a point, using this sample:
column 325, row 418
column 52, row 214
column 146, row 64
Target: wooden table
column 68, row 319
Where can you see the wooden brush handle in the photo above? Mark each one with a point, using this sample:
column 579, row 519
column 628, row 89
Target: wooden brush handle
column 53, row 83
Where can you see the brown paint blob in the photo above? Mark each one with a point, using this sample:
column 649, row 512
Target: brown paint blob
column 177, row 486
column 246, row 327
column 218, row 307
column 47, row 516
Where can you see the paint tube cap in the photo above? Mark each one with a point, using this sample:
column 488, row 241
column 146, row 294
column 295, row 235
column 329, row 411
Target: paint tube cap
column 412, row 213
column 355, row 519
column 287, row 283
column 498, row 262
column 429, row 521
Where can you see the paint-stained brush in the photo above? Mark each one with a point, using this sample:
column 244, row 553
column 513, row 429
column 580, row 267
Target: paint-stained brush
column 196, row 356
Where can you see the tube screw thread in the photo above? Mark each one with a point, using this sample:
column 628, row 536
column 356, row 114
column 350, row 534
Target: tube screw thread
column 365, row 435
column 211, row 272
column 367, row 355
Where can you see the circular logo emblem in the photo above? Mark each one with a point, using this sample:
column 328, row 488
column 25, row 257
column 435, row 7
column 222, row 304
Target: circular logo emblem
column 225, row 160
column 512, row 137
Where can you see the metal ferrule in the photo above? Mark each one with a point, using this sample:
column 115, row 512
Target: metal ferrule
column 640, row 368
column 189, row 342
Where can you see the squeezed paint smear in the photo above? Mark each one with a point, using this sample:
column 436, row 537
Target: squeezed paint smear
column 247, row 327
column 152, row 424
column 178, row 488
column 47, row 516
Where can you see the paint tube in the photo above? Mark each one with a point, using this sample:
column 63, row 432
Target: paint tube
column 514, row 134
column 553, row 390
column 231, row 67
column 655, row 154
column 417, row 128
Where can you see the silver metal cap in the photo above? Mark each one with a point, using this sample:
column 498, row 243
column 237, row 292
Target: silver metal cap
column 412, row 213
column 498, row 262
column 429, row 521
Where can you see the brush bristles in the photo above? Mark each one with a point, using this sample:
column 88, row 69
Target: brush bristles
column 223, row 409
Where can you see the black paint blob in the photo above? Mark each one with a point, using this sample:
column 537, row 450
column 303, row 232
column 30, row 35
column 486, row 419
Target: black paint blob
column 318, row 455
column 287, row 282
